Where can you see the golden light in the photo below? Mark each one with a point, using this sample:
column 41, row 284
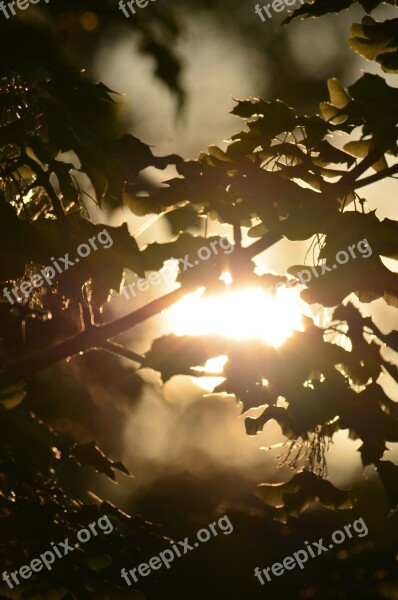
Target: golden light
column 243, row 314
column 213, row 367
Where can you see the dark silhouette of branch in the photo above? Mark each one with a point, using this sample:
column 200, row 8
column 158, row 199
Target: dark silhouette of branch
column 377, row 176
column 351, row 177
column 89, row 339
column 120, row 350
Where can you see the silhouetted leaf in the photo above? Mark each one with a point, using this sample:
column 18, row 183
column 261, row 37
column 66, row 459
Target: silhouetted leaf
column 295, row 496
column 174, row 355
column 89, row 454
column 388, row 473
column 377, row 41
column 319, row 8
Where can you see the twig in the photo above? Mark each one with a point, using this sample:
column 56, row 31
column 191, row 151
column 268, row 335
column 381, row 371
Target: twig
column 120, row 350
column 376, row 177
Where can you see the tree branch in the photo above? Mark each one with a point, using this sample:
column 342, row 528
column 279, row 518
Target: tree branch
column 237, row 235
column 43, row 179
column 89, row 339
column 350, row 178
column 377, row 176
column 120, row 350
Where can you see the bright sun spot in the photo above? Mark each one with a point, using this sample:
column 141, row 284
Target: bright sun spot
column 243, row 314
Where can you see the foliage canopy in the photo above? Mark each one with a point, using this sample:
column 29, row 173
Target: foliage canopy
column 281, row 176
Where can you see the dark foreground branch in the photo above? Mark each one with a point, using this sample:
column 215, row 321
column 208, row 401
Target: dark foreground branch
column 91, row 338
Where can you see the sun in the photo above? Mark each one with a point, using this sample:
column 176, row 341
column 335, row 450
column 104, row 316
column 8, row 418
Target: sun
column 240, row 314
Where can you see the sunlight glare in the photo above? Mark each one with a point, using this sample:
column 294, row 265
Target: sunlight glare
column 242, row 314
column 213, row 367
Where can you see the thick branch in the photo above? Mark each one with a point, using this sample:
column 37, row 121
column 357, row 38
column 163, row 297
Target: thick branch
column 89, row 339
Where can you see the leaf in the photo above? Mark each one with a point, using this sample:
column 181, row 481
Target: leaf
column 338, row 95
column 255, row 424
column 142, row 205
column 370, row 5
column 388, row 473
column 368, row 282
column 174, row 355
column 295, row 496
column 155, row 255
column 243, row 143
column 273, row 117
column 257, row 231
column 12, row 396
column 90, row 455
column 359, row 149
column 43, row 240
column 183, row 219
column 366, row 417
column 27, row 441
column 331, row 114
column 377, row 101
column 168, row 67
column 319, row 8
column 218, row 153
column 330, row 154
column 377, row 41
column 249, row 108
column 67, row 186
column 134, row 156
column 365, row 274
